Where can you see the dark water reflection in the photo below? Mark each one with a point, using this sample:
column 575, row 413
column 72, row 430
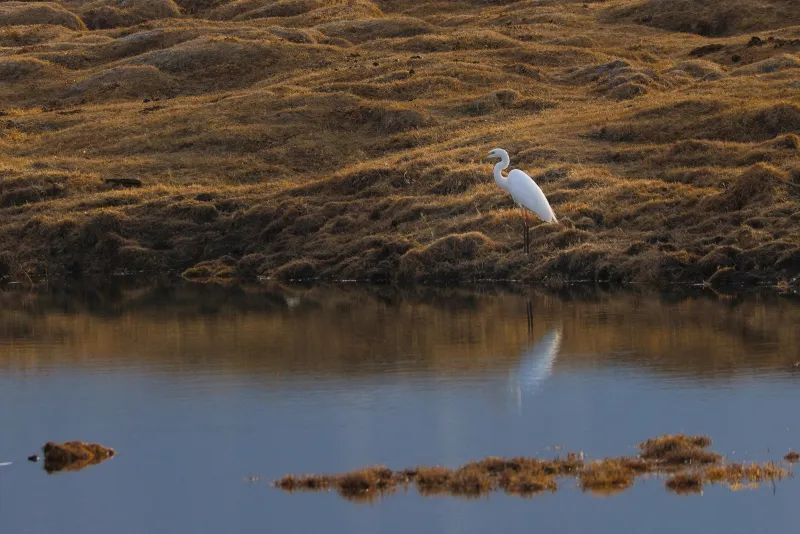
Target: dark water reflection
column 200, row 388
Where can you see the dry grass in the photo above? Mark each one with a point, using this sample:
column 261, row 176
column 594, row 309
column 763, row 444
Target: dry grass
column 343, row 139
column 737, row 476
column 606, row 477
column 73, row 455
column 527, row 477
column 679, row 450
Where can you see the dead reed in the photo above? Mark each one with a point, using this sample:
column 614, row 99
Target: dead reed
column 685, row 460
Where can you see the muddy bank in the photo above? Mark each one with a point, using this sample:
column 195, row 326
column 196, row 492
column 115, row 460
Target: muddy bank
column 684, row 461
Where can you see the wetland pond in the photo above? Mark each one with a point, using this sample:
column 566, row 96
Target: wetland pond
column 208, row 395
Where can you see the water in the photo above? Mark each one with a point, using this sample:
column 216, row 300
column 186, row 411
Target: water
column 210, row 394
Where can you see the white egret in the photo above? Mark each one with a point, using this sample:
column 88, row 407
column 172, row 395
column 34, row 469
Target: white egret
column 523, row 190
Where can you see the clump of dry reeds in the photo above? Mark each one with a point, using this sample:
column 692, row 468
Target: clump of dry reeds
column 679, row 450
column 683, row 458
column 73, row 455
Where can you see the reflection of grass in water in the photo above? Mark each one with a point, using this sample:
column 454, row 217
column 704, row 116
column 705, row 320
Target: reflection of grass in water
column 684, row 458
column 685, row 483
column 693, row 336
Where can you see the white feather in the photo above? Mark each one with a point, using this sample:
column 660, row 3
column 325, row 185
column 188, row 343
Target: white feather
column 526, row 193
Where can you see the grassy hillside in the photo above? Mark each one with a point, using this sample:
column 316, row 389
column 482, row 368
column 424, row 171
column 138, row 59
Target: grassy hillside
column 344, row 139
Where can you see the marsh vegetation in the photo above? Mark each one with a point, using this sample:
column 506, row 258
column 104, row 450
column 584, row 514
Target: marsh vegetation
column 342, row 140
column 686, row 459
column 74, row 455
column 212, row 392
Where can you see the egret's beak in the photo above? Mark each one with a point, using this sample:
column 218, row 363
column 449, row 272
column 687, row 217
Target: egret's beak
column 490, row 156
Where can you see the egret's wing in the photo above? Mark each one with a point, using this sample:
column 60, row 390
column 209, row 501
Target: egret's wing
column 536, row 363
column 526, row 193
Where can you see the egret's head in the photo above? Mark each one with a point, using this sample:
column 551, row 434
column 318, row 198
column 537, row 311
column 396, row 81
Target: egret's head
column 496, row 153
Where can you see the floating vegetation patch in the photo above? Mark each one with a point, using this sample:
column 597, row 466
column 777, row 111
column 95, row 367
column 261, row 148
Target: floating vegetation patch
column 685, row 460
column 74, row 455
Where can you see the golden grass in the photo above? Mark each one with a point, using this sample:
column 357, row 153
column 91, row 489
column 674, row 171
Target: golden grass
column 679, row 450
column 738, row 476
column 73, row 455
column 606, row 477
column 344, row 139
column 527, row 477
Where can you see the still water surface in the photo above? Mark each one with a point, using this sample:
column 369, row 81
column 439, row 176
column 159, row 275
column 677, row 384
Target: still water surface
column 210, row 394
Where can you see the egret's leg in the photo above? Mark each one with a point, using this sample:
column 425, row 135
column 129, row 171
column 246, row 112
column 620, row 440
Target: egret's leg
column 524, row 230
column 527, row 232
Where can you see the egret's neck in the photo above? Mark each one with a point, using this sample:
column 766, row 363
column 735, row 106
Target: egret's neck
column 498, row 171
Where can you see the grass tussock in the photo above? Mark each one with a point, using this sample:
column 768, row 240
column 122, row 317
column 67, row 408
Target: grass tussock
column 73, row 455
column 679, row 450
column 31, row 13
column 528, row 484
column 103, row 14
column 683, row 458
column 711, row 18
column 607, row 476
column 343, row 140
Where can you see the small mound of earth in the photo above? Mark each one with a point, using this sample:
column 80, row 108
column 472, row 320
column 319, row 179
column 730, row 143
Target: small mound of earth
column 218, row 58
column 705, row 119
column 769, row 65
column 22, row 68
column 103, row 14
column 617, row 79
column 710, row 17
column 441, row 259
column 128, row 81
column 29, row 13
column 305, row 12
column 699, row 69
column 483, row 40
column 360, row 31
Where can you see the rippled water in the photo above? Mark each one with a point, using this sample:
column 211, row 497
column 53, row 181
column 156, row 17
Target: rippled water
column 210, row 394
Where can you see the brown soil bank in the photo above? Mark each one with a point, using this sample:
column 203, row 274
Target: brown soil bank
column 684, row 460
column 343, row 140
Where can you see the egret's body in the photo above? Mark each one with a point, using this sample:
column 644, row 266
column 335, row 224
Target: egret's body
column 523, row 190
column 528, row 194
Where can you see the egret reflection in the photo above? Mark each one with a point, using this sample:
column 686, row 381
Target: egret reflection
column 535, row 365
